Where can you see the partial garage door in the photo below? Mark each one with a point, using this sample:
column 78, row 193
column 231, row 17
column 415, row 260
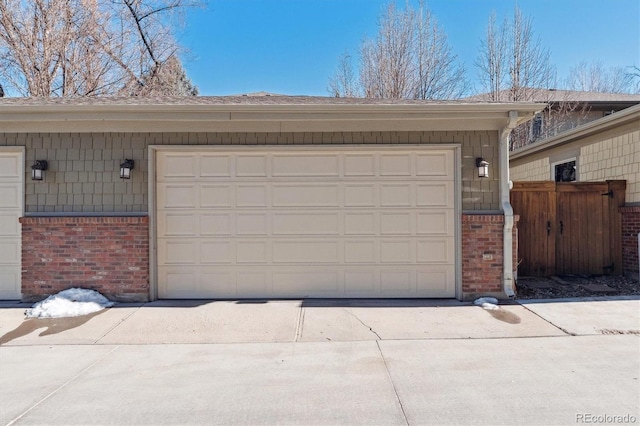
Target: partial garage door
column 306, row 222
column 10, row 212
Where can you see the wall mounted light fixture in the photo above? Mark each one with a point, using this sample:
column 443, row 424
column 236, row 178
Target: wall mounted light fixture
column 38, row 168
column 125, row 169
column 483, row 167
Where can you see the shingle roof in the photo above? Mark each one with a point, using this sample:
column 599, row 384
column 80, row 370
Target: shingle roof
column 250, row 99
column 555, row 95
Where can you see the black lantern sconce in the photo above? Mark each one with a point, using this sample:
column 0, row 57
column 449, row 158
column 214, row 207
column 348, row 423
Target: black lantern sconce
column 483, row 167
column 125, row 169
column 38, row 168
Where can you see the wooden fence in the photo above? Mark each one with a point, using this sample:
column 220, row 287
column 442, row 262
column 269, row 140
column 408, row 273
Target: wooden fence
column 569, row 227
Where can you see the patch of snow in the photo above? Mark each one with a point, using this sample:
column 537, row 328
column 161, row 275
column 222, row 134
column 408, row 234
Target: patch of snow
column 490, row 306
column 480, row 301
column 73, row 302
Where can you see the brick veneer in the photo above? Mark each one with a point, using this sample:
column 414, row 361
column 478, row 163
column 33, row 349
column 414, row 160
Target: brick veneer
column 482, row 254
column 630, row 231
column 106, row 254
column 111, row 255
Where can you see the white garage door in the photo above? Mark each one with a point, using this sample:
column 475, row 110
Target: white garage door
column 307, row 222
column 10, row 234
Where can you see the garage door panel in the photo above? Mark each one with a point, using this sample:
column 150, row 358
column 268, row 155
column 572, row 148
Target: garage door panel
column 395, row 165
column 435, row 194
column 397, row 282
column 10, row 280
column 11, row 199
column 9, row 255
column 251, row 195
column 360, row 195
column 177, row 166
column 251, row 166
column 254, row 284
column 217, row 251
column 10, row 167
column 177, row 196
column 178, row 252
column 317, row 282
column 359, row 165
column 253, row 251
column 435, row 222
column 396, row 251
column 307, row 223
column 435, row 165
column 435, row 250
column 9, row 224
column 360, row 251
column 305, row 195
column 211, row 224
column 217, row 283
column 215, row 165
column 396, row 223
column 437, row 281
column 396, row 195
column 10, row 196
column 216, row 195
column 178, row 224
column 178, row 283
column 360, row 223
column 305, row 251
column 306, row 165
column 252, row 223
column 360, row 283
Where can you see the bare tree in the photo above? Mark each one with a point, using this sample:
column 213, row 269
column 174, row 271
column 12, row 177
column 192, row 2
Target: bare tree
column 343, row 83
column 86, row 47
column 595, row 77
column 410, row 57
column 492, row 63
column 513, row 63
column 634, row 73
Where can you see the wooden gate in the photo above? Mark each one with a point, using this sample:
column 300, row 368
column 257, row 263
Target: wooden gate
column 569, row 227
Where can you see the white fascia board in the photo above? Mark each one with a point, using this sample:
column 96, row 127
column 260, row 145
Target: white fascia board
column 263, row 118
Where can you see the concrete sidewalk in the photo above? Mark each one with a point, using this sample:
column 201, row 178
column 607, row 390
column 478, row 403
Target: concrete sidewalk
column 323, row 362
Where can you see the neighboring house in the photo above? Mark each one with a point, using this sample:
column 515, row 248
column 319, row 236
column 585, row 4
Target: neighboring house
column 566, row 109
column 256, row 197
column 604, row 149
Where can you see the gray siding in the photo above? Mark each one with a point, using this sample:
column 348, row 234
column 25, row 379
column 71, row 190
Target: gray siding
column 83, row 173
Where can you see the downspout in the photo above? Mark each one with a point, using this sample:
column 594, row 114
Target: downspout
column 507, row 274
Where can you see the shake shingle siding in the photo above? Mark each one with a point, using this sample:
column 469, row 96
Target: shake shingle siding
column 83, row 175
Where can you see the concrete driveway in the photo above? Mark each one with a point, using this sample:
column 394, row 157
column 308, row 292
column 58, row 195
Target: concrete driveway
column 275, row 321
column 323, row 362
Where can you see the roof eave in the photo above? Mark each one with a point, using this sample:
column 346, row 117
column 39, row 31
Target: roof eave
column 259, row 118
column 628, row 115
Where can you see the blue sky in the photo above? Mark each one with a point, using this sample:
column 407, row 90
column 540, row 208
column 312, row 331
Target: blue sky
column 292, row 46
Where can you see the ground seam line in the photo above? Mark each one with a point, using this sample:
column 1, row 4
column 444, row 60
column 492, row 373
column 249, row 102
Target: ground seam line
column 547, row 321
column 34, row 406
column 299, row 324
column 361, row 322
column 116, row 326
column 393, row 385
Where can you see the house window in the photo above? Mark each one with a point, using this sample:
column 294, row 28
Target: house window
column 565, row 172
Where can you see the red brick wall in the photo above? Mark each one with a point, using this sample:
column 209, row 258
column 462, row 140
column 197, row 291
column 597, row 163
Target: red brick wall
column 482, row 260
column 630, row 230
column 106, row 254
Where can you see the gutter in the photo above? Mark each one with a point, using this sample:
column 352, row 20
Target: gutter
column 507, row 273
